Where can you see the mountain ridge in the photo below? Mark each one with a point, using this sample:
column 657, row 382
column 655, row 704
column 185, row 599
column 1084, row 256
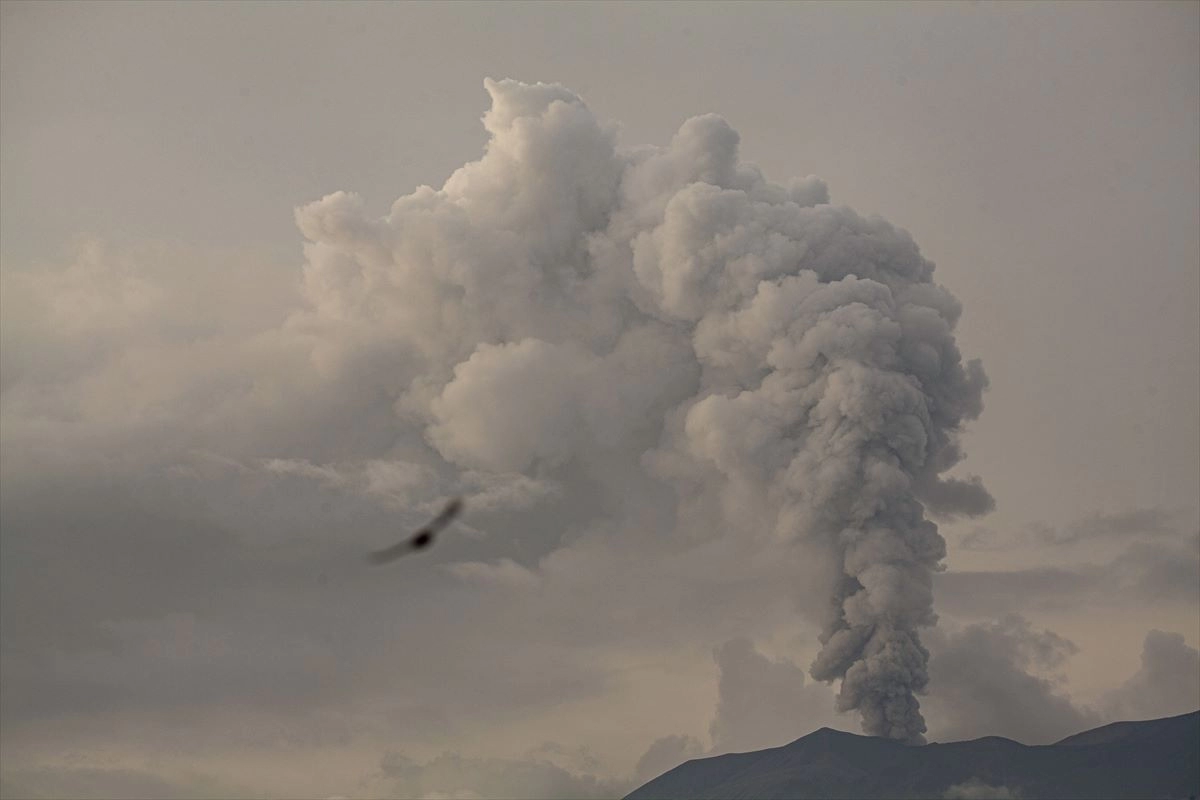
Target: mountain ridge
column 1132, row 759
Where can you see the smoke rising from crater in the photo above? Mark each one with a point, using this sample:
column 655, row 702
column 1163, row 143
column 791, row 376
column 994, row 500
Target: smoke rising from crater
column 564, row 306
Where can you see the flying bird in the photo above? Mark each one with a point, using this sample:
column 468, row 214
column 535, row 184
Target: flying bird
column 422, row 538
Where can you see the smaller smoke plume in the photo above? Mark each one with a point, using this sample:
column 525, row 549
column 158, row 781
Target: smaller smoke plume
column 1168, row 682
column 664, row 754
column 763, row 703
column 453, row 775
column 1000, row 679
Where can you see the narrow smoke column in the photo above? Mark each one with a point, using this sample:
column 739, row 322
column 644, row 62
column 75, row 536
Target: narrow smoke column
column 856, row 411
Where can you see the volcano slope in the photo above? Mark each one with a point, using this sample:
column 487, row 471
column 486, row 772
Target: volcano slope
column 1153, row 758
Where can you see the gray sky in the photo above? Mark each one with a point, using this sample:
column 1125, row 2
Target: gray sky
column 205, row 424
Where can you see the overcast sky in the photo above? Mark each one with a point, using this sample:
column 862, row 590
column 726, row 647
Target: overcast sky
column 223, row 383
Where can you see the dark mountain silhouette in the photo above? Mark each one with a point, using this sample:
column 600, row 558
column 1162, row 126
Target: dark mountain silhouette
column 1152, row 759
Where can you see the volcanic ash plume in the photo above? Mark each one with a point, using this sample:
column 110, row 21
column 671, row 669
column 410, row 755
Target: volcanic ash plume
column 563, row 307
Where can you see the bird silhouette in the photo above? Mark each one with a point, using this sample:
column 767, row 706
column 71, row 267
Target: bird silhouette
column 422, row 538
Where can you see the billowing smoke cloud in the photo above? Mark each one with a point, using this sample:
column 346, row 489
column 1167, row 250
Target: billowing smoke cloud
column 562, row 307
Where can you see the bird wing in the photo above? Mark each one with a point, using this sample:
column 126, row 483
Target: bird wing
column 444, row 518
column 392, row 553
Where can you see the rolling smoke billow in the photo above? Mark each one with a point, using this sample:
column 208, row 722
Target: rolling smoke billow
column 563, row 307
